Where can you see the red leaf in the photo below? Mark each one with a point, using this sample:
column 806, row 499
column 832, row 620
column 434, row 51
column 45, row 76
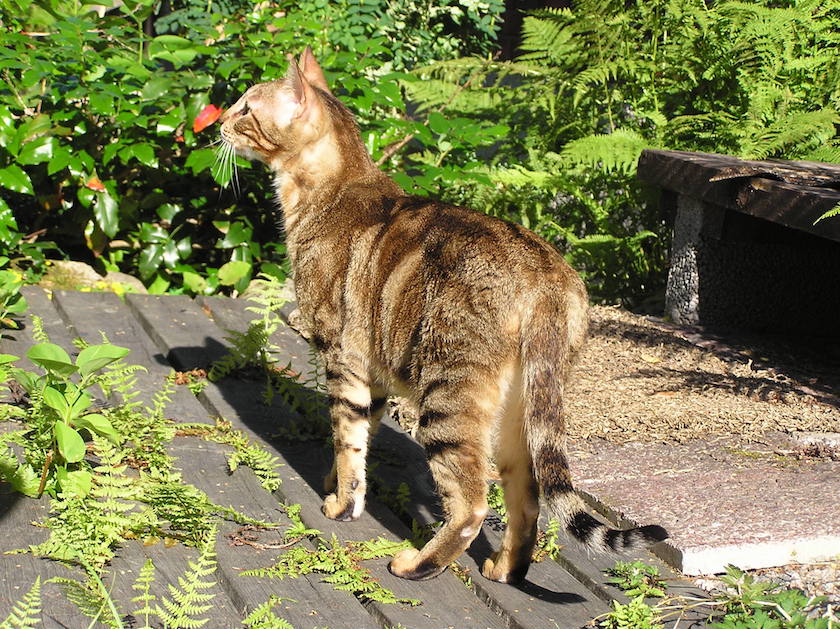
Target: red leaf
column 208, row 116
column 94, row 184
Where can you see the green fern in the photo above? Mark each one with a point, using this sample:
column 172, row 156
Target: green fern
column 339, row 565
column 39, row 334
column 264, row 618
column 262, row 463
column 26, row 612
column 191, row 599
column 87, row 529
column 618, row 151
column 143, row 585
column 91, row 599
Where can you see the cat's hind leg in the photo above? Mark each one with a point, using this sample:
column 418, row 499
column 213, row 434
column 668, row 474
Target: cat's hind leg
column 513, row 461
column 352, row 407
column 454, row 429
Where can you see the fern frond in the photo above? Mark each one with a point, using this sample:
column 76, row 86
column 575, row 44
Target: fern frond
column 39, row 334
column 264, row 618
column 26, row 612
column 191, row 598
column 618, row 151
column 90, row 599
column 143, row 585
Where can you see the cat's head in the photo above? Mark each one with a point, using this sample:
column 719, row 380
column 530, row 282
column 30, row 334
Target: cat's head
column 275, row 121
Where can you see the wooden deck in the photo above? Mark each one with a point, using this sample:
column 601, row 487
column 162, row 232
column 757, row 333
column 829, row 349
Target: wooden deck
column 171, row 332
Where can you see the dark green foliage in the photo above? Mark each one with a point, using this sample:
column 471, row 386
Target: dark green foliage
column 751, row 604
column 598, row 84
column 97, row 143
column 637, row 578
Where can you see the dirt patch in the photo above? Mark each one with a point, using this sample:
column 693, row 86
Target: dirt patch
column 640, row 379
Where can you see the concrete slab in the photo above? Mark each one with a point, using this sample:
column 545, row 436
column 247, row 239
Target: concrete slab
column 723, row 501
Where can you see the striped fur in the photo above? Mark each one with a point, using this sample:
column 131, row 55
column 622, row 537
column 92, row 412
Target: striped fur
column 476, row 320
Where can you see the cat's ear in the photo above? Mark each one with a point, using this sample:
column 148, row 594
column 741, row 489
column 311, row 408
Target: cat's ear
column 302, row 91
column 312, row 70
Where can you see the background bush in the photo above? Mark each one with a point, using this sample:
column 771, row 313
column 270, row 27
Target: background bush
column 98, row 149
column 99, row 155
column 598, row 84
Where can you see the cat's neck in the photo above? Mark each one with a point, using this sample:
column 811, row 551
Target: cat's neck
column 310, row 182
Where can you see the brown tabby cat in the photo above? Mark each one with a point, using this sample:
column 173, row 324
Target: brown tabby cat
column 474, row 319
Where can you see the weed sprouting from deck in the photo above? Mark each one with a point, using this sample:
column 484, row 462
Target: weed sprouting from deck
column 340, row 565
column 110, row 479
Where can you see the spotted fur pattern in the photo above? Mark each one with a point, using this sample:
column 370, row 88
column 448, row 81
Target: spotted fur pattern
column 476, row 320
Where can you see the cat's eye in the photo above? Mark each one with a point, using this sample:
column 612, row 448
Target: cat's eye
column 245, row 110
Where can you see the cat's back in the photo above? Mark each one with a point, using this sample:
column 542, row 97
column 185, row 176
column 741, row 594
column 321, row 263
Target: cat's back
column 453, row 240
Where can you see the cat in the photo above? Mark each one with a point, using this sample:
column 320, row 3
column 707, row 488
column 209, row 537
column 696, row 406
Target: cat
column 474, row 319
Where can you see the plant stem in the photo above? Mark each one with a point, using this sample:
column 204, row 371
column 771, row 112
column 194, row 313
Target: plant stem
column 46, row 469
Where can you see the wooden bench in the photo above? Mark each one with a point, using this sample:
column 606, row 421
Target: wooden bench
column 747, row 251
column 176, row 332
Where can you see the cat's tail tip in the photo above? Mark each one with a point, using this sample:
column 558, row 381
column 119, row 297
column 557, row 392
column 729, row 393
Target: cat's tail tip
column 598, row 536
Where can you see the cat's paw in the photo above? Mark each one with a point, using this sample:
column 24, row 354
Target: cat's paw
column 405, row 564
column 335, row 510
column 496, row 568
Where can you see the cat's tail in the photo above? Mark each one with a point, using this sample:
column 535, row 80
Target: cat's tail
column 553, row 332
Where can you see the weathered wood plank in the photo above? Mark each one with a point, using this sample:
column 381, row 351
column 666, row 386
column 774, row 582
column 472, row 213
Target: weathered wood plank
column 716, row 178
column 203, row 465
column 309, row 602
column 447, row 601
column 19, row 571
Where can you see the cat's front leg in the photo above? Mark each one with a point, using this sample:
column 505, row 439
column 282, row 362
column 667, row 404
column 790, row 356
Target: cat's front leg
column 355, row 410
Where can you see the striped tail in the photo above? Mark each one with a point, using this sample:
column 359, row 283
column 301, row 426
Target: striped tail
column 552, row 335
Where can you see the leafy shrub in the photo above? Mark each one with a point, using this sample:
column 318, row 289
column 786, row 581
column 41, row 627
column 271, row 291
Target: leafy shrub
column 597, row 85
column 101, row 143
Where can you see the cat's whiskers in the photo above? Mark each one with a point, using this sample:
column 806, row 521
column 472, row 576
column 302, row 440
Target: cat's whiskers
column 224, row 166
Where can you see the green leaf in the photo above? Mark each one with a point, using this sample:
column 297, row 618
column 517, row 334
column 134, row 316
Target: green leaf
column 177, row 50
column 200, row 160
column 98, row 424
column 233, row 271
column 156, row 88
column 7, row 126
column 194, row 282
column 56, row 400
column 150, row 259
column 438, row 123
column 102, row 104
column 106, row 211
column 52, row 358
column 70, row 443
column 82, row 403
column 5, row 359
column 235, row 235
column 77, row 483
column 145, row 154
column 61, row 158
column 95, row 357
column 37, row 151
column 13, row 178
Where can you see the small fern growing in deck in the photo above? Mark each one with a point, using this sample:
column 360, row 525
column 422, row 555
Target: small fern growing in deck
column 191, row 599
column 264, row 618
column 145, row 598
column 340, row 566
column 26, row 612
